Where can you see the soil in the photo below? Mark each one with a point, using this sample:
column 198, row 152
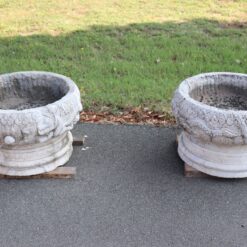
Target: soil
column 222, row 96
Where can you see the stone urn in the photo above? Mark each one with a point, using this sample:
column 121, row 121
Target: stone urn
column 37, row 112
column 211, row 109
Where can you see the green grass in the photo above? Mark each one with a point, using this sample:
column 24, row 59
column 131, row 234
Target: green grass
column 124, row 53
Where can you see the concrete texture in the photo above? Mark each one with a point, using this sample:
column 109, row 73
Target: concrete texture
column 129, row 191
column 214, row 138
column 37, row 111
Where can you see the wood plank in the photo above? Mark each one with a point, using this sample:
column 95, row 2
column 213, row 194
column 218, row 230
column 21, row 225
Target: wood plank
column 78, row 141
column 59, row 172
column 190, row 172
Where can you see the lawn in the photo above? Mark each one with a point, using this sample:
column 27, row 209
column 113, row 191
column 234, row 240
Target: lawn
column 124, row 53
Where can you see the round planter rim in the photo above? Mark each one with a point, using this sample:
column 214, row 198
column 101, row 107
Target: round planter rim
column 184, row 89
column 69, row 82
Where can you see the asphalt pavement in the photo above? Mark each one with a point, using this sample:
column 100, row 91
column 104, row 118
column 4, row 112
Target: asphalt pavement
column 129, row 191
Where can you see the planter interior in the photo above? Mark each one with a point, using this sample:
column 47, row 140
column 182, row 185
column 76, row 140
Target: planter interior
column 230, row 97
column 29, row 92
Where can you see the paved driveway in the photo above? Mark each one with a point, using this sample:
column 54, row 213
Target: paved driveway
column 129, row 191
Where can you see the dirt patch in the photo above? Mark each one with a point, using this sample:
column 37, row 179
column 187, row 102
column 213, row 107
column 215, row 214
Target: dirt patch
column 234, row 24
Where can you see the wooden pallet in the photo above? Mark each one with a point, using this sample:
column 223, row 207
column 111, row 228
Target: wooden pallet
column 190, row 172
column 77, row 141
column 59, row 172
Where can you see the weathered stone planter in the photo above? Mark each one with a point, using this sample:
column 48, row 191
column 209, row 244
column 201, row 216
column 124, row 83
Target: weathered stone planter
column 212, row 111
column 37, row 112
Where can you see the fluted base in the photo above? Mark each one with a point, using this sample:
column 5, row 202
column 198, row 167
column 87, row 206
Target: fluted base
column 229, row 161
column 25, row 160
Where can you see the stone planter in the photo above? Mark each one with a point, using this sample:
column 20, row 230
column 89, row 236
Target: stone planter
column 211, row 109
column 37, row 112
